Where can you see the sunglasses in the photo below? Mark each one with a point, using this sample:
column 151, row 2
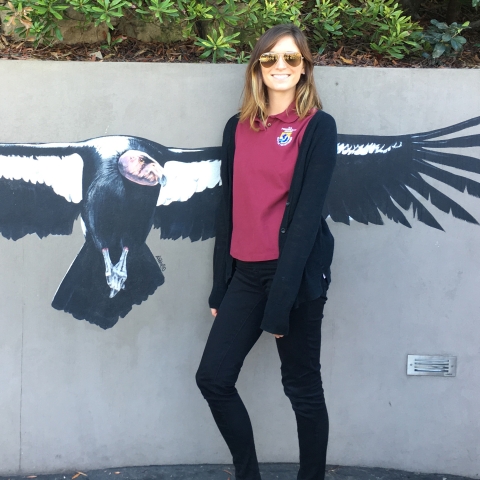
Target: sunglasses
column 269, row 59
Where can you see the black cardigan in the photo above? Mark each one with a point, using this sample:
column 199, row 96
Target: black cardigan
column 305, row 241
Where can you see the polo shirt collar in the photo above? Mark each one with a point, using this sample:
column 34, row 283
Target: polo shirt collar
column 287, row 116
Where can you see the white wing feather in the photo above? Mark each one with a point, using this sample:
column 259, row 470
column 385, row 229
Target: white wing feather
column 345, row 149
column 62, row 174
column 185, row 179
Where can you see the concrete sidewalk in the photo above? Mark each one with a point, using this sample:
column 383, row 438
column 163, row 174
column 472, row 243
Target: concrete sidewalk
column 270, row 471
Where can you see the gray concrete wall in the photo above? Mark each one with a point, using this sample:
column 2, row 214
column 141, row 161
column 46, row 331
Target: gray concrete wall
column 73, row 396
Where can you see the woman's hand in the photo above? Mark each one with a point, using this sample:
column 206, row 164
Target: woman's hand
column 215, row 311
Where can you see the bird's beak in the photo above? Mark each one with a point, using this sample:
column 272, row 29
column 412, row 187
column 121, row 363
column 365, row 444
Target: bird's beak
column 159, row 171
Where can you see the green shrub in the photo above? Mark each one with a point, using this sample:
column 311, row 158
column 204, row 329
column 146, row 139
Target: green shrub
column 393, row 32
column 219, row 25
column 325, row 21
column 36, row 20
column 218, row 46
column 442, row 39
column 379, row 24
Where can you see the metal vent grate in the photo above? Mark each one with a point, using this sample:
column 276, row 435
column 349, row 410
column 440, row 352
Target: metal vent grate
column 439, row 365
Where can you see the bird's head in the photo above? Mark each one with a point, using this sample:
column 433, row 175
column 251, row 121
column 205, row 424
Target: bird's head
column 141, row 168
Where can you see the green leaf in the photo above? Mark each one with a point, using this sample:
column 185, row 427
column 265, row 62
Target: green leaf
column 395, row 54
column 206, row 54
column 439, row 25
column 456, row 45
column 58, row 34
column 438, row 50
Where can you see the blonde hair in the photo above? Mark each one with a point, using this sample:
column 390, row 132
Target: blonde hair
column 255, row 94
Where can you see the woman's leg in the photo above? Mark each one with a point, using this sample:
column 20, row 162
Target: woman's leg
column 234, row 332
column 300, row 356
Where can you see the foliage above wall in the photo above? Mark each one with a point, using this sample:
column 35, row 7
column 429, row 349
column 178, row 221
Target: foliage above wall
column 226, row 29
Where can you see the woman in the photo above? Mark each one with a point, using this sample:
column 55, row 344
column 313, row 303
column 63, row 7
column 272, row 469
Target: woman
column 273, row 248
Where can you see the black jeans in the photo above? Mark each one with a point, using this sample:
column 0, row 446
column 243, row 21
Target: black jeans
column 234, row 332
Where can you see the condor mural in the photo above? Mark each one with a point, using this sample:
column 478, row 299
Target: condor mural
column 123, row 186
column 120, row 187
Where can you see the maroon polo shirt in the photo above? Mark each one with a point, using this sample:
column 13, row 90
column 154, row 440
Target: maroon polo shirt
column 262, row 173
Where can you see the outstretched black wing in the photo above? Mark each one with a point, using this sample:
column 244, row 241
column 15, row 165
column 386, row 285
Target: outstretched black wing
column 42, row 186
column 187, row 203
column 373, row 172
column 40, row 189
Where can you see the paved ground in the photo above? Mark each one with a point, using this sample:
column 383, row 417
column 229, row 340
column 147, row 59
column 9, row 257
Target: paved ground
column 270, row 471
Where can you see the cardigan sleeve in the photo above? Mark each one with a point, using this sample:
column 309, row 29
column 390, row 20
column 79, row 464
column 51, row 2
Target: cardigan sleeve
column 302, row 230
column 220, row 251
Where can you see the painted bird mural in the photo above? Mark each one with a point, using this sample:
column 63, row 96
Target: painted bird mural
column 373, row 172
column 123, row 186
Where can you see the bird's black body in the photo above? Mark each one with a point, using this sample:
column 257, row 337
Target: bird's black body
column 108, row 199
column 117, row 213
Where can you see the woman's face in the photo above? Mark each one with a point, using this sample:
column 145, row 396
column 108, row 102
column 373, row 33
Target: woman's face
column 282, row 77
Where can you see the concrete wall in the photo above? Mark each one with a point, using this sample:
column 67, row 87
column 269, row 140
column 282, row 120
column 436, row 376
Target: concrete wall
column 73, row 396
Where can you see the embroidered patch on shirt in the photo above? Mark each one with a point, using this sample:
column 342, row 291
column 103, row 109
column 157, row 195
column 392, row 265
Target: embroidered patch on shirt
column 286, row 137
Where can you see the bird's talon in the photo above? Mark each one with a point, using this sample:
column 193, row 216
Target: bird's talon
column 116, row 275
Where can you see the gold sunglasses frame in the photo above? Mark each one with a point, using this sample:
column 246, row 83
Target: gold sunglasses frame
column 277, row 54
